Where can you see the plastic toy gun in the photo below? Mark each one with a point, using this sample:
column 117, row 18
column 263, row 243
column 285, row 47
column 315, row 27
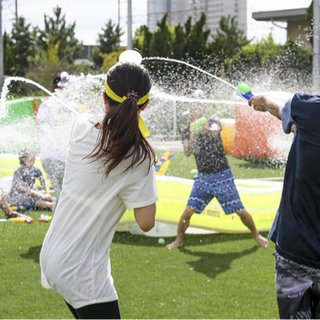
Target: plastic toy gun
column 21, row 218
column 162, row 165
column 196, row 125
column 44, row 218
column 244, row 91
column 21, row 208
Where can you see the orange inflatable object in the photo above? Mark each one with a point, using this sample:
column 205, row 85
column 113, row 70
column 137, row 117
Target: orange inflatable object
column 227, row 134
column 257, row 134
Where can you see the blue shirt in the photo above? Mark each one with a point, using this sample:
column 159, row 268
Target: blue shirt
column 296, row 229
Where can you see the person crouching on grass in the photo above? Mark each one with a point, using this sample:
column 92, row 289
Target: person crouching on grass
column 110, row 167
column 214, row 178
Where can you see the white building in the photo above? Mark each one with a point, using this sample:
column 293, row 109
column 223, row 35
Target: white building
column 180, row 10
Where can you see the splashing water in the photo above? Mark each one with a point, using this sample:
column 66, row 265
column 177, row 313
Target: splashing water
column 3, row 109
column 191, row 66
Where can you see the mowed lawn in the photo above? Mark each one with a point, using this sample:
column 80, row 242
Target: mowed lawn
column 214, row 276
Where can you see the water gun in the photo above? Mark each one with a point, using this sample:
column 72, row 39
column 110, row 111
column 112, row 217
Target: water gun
column 162, row 165
column 21, row 208
column 244, row 91
column 197, row 124
column 44, row 218
column 21, row 218
column 18, row 219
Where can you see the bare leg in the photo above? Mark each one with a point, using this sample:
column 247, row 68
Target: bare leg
column 3, row 204
column 44, row 204
column 247, row 220
column 182, row 227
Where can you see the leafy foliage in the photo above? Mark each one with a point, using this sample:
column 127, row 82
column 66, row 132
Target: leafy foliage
column 286, row 63
column 161, row 42
column 196, row 38
column 8, row 55
column 228, row 40
column 19, row 48
column 108, row 41
column 57, row 31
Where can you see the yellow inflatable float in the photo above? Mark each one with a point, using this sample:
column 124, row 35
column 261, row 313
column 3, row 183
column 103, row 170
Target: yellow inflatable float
column 260, row 197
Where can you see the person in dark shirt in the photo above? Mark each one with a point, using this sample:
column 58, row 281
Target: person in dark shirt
column 296, row 228
column 214, row 178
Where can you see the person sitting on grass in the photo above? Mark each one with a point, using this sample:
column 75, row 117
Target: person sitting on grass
column 24, row 191
column 214, row 178
column 5, row 207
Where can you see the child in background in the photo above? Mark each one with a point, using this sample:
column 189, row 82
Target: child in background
column 110, row 167
column 215, row 177
column 24, row 191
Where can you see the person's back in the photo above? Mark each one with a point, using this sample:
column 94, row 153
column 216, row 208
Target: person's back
column 89, row 203
column 109, row 168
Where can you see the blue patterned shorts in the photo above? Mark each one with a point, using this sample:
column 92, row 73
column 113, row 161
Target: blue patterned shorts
column 220, row 185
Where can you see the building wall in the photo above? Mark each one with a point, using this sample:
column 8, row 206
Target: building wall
column 181, row 10
column 297, row 30
column 156, row 10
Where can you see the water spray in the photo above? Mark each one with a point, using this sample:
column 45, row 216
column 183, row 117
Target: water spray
column 191, row 66
column 4, row 93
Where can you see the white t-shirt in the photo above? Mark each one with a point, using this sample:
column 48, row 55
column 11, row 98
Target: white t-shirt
column 75, row 253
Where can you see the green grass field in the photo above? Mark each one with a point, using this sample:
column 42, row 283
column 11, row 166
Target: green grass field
column 214, row 276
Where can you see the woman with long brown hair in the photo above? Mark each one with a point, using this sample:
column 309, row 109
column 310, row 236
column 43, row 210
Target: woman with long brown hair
column 109, row 168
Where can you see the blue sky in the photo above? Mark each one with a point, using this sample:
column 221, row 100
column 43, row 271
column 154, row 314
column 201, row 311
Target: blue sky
column 91, row 16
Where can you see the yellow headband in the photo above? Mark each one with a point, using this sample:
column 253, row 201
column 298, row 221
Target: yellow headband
column 115, row 97
column 142, row 126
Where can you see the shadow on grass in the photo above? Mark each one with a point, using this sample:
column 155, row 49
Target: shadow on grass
column 189, row 240
column 261, row 163
column 211, row 264
column 33, row 253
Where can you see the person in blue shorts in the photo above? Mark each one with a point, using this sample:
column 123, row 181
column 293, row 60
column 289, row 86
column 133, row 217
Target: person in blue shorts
column 214, row 178
column 296, row 228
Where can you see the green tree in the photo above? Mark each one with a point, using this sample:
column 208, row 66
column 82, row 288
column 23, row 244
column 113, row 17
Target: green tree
column 179, row 42
column 110, row 59
column 56, row 31
column 228, row 40
column 142, row 40
column 22, row 46
column 108, row 41
column 161, row 42
column 283, row 62
column 196, row 38
column 8, row 55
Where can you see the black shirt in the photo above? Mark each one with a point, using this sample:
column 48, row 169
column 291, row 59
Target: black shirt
column 208, row 151
column 297, row 229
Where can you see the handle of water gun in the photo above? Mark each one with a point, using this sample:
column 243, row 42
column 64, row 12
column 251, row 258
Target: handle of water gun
column 247, row 96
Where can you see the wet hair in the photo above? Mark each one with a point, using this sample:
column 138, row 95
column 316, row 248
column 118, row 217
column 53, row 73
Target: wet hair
column 24, row 153
column 120, row 137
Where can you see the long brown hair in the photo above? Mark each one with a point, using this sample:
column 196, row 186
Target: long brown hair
column 120, row 137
